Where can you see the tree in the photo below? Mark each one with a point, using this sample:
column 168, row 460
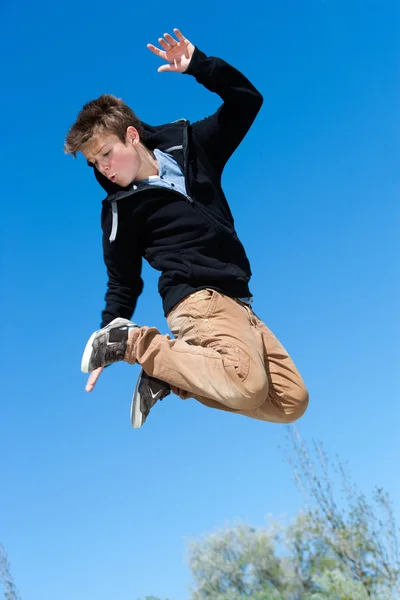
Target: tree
column 10, row 591
column 361, row 537
column 333, row 550
column 235, row 563
column 340, row 547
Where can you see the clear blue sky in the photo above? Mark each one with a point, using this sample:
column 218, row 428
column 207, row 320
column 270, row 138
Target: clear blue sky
column 90, row 508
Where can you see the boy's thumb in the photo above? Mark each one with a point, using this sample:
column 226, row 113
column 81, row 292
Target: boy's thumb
column 166, row 68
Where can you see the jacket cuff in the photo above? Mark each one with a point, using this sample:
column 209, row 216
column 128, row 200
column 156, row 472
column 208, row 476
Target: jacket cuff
column 195, row 62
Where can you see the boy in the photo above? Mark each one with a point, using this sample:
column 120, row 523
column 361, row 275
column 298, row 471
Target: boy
column 165, row 203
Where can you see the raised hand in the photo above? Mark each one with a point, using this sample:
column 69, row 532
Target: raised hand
column 177, row 52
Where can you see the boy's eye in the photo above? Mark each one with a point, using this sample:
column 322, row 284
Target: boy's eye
column 107, row 153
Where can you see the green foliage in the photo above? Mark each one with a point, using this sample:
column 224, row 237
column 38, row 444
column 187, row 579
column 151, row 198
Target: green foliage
column 237, row 563
column 358, row 538
column 341, row 547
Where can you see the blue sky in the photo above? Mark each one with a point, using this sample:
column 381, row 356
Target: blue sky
column 90, row 508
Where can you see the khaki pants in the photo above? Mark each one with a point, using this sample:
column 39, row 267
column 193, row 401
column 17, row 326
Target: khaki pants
column 224, row 357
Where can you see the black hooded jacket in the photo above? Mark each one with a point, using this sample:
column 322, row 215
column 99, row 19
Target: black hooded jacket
column 190, row 239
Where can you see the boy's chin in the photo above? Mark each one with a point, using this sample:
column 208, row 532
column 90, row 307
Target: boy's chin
column 124, row 182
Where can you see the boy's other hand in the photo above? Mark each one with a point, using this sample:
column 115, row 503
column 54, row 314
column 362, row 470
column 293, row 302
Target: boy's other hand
column 177, row 52
column 93, row 377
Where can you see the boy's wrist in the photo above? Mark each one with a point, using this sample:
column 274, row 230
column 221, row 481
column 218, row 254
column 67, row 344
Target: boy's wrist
column 197, row 58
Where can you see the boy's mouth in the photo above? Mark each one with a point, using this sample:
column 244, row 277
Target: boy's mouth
column 113, row 178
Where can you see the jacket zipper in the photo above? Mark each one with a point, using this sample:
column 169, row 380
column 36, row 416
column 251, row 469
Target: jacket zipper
column 185, row 156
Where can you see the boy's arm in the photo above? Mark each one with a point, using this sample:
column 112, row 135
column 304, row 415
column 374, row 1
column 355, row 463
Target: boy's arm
column 124, row 265
column 221, row 133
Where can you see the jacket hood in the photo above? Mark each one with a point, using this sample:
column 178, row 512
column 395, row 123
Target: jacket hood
column 162, row 137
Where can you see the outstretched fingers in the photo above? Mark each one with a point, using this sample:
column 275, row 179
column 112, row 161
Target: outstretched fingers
column 176, row 51
column 179, row 35
column 183, row 40
column 156, row 51
column 171, row 41
column 164, row 44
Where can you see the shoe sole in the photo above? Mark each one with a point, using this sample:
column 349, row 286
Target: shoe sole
column 135, row 413
column 87, row 354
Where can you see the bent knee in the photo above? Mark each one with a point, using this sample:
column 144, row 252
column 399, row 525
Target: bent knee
column 297, row 406
column 251, row 395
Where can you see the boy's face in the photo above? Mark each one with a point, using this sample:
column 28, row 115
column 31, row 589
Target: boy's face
column 118, row 161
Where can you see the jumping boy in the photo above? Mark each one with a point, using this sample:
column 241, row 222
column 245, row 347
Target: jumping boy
column 165, row 203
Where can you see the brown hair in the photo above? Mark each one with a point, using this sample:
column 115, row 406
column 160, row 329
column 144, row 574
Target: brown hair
column 105, row 114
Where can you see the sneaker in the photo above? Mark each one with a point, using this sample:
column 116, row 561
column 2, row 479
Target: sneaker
column 106, row 346
column 148, row 391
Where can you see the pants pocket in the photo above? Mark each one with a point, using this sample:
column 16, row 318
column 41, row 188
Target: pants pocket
column 233, row 356
column 178, row 320
column 198, row 306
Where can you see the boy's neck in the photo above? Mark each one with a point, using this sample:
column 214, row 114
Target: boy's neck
column 148, row 163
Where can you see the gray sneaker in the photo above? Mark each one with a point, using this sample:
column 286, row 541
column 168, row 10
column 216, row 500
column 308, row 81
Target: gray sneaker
column 148, row 391
column 106, row 346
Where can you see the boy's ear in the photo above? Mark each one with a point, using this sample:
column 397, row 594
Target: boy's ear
column 132, row 135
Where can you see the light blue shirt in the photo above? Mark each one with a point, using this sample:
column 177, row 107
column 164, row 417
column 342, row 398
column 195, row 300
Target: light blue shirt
column 170, row 174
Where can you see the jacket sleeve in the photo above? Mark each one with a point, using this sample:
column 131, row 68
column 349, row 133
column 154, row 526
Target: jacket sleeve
column 221, row 133
column 123, row 260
